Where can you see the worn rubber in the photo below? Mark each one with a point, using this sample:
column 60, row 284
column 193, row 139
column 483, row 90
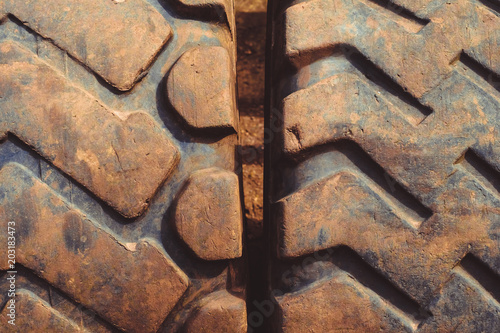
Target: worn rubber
column 384, row 173
column 118, row 132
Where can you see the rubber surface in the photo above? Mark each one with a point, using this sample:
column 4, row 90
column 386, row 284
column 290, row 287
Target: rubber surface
column 118, row 132
column 384, row 172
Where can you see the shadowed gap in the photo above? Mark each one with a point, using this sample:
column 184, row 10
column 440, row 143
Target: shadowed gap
column 486, row 277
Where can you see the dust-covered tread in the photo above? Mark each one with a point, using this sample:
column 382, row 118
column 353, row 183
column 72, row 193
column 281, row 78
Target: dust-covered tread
column 121, row 157
column 200, row 104
column 208, row 215
column 389, row 122
column 121, row 38
column 94, row 158
column 60, row 231
column 30, row 305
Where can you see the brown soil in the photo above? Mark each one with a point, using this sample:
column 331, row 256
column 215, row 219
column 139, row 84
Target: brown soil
column 251, row 34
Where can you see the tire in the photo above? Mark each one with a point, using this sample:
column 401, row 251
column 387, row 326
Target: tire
column 384, row 174
column 118, row 133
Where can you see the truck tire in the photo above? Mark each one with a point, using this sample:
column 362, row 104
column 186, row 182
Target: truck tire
column 119, row 194
column 383, row 167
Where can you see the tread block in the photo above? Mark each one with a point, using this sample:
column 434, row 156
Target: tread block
column 85, row 261
column 208, row 215
column 221, row 312
column 207, row 98
column 35, row 315
column 479, row 313
column 316, row 308
column 118, row 40
column 122, row 158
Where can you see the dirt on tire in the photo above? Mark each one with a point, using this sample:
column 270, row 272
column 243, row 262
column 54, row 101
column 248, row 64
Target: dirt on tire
column 118, row 136
column 383, row 183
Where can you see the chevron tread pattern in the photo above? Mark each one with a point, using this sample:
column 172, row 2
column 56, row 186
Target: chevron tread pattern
column 388, row 157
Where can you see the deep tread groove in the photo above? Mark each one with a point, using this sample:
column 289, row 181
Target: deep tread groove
column 481, row 169
column 483, row 274
column 392, row 188
column 401, row 11
column 373, row 73
column 349, row 261
column 490, row 77
column 494, row 5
